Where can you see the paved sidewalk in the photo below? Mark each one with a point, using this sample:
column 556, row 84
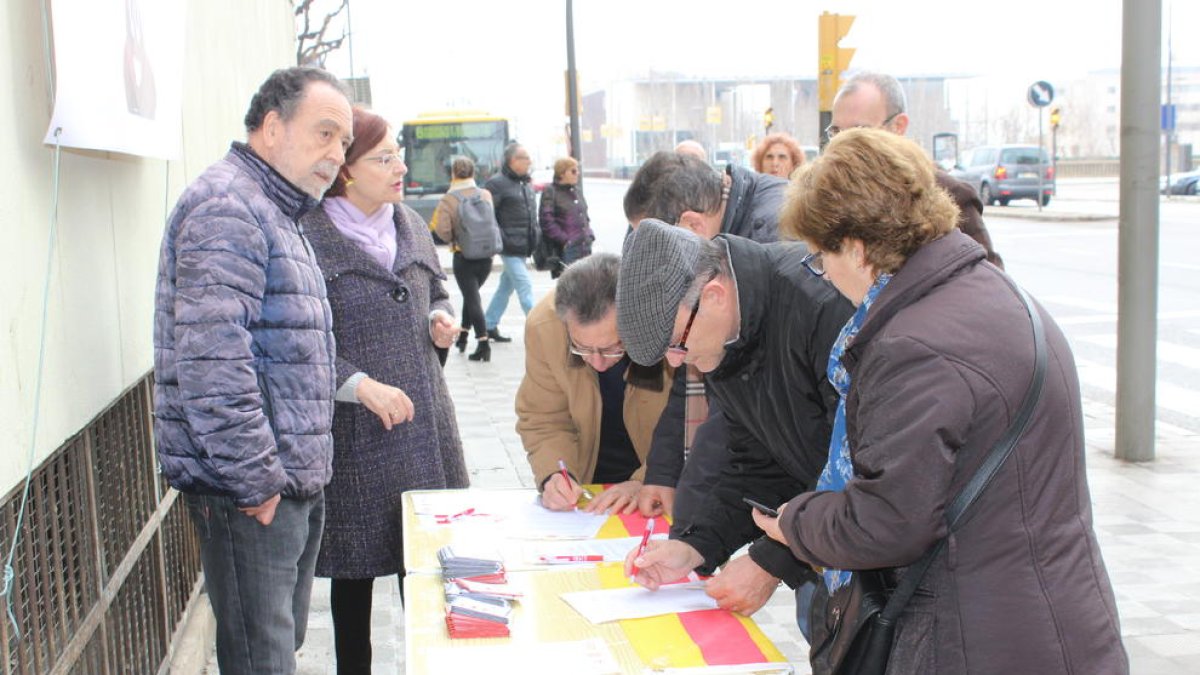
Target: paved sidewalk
column 1147, row 517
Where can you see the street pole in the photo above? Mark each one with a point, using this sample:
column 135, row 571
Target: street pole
column 1137, row 254
column 573, row 91
column 1041, row 149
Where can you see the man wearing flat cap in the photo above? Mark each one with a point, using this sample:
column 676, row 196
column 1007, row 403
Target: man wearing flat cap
column 760, row 327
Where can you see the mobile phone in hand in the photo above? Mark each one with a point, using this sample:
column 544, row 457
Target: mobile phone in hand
column 762, row 508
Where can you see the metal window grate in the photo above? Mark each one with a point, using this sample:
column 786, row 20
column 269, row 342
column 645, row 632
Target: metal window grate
column 107, row 561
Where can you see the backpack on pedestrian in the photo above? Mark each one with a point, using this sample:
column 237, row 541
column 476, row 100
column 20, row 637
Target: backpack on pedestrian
column 477, row 234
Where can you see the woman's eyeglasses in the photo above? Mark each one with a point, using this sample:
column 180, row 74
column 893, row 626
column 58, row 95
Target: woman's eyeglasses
column 387, row 160
column 814, row 264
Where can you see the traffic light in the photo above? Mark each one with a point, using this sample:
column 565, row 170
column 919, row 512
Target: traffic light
column 832, row 60
column 1055, row 117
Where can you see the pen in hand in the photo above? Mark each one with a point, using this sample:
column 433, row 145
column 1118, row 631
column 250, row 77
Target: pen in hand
column 642, row 547
column 562, row 469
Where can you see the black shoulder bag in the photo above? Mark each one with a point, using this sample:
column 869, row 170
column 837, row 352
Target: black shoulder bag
column 861, row 640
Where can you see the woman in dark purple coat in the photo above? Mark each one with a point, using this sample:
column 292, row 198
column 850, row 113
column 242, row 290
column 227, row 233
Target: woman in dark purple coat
column 931, row 370
column 563, row 215
column 393, row 427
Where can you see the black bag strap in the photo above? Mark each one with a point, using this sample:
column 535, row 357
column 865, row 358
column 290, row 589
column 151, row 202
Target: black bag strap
column 987, row 470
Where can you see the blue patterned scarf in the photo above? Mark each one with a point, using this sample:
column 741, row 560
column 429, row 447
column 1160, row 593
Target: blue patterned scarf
column 839, row 470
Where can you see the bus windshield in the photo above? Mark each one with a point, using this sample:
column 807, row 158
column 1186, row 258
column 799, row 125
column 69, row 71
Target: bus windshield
column 430, row 144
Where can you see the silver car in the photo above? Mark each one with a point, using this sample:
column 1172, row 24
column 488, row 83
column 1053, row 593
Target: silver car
column 1002, row 173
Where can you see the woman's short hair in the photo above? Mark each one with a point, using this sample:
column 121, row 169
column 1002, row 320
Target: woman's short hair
column 462, row 167
column 874, row 186
column 369, row 130
column 562, row 165
column 793, row 148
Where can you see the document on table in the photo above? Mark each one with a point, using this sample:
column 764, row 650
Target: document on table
column 614, row 604
column 580, row 550
column 583, row 657
column 518, row 512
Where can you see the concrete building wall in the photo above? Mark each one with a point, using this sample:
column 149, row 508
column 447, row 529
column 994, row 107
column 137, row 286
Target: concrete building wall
column 111, row 211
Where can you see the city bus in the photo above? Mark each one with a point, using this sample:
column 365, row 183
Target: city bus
column 432, row 140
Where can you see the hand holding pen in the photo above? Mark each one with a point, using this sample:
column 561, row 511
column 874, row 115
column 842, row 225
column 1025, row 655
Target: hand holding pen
column 641, row 549
column 561, row 492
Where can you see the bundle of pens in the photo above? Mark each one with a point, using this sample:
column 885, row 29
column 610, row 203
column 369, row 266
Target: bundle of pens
column 478, row 599
column 482, row 570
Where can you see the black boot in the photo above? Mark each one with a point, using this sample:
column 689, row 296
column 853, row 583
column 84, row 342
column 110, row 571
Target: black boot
column 495, row 336
column 462, row 340
column 483, row 351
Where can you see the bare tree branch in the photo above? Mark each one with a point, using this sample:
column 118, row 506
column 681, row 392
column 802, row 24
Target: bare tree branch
column 313, row 46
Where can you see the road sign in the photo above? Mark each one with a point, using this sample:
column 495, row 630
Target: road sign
column 1041, row 94
column 1168, row 117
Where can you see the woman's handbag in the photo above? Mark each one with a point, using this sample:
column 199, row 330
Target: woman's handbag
column 853, row 631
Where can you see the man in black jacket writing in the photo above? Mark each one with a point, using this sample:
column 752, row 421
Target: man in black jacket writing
column 760, row 327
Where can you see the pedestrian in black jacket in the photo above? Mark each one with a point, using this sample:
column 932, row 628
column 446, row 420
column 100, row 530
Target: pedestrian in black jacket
column 516, row 212
column 760, row 327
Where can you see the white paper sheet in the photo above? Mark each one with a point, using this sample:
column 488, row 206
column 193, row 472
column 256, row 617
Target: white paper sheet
column 613, row 604
column 585, row 657
column 518, row 512
column 612, row 550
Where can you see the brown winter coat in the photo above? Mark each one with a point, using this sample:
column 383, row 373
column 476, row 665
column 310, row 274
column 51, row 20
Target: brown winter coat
column 558, row 405
column 937, row 372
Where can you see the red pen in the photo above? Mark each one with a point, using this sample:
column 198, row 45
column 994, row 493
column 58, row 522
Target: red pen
column 551, row 559
column 642, row 546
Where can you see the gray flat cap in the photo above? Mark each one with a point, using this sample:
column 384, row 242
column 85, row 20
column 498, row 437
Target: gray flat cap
column 657, row 268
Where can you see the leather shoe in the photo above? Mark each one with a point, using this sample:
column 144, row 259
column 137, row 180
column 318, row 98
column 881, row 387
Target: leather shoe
column 495, row 336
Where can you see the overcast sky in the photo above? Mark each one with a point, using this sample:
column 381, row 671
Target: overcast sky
column 509, row 57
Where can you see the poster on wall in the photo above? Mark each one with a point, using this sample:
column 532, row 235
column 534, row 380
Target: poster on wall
column 119, row 75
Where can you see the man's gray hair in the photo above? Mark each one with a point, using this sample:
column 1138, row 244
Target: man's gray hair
column 283, row 91
column 670, row 183
column 587, row 289
column 510, row 151
column 888, row 86
column 713, row 262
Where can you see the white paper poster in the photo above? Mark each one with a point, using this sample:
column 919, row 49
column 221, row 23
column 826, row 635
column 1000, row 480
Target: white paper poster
column 118, row 75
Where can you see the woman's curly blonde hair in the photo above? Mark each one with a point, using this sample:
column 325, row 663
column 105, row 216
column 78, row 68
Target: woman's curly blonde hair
column 874, row 186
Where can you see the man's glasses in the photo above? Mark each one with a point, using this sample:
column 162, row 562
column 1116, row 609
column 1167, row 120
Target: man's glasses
column 680, row 348
column 386, row 161
column 814, row 264
column 603, row 352
column 831, row 130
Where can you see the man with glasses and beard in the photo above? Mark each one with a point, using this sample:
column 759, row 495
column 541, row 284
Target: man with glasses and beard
column 244, row 366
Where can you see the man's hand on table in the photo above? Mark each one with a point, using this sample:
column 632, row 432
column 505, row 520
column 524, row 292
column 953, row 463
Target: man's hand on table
column 620, row 498
column 742, row 586
column 664, row 562
column 656, row 500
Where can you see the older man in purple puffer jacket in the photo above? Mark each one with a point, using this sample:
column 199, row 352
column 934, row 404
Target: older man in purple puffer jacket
column 244, row 366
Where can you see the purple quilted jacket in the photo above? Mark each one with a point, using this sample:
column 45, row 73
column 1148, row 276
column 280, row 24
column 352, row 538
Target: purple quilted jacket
column 243, row 341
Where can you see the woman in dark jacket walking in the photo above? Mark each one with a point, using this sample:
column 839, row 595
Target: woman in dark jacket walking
column 931, row 370
column 469, row 274
column 393, row 426
column 563, row 215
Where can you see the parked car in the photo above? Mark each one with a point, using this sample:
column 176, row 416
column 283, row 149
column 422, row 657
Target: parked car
column 1002, row 173
column 1181, row 183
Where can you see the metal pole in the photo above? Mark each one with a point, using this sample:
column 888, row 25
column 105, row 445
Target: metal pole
column 1041, row 149
column 573, row 91
column 1137, row 256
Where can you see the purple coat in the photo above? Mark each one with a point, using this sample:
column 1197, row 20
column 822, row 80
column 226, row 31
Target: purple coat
column 381, row 319
column 938, row 370
column 243, row 340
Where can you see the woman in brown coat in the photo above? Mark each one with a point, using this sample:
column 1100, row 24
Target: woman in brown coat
column 582, row 400
column 931, row 369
